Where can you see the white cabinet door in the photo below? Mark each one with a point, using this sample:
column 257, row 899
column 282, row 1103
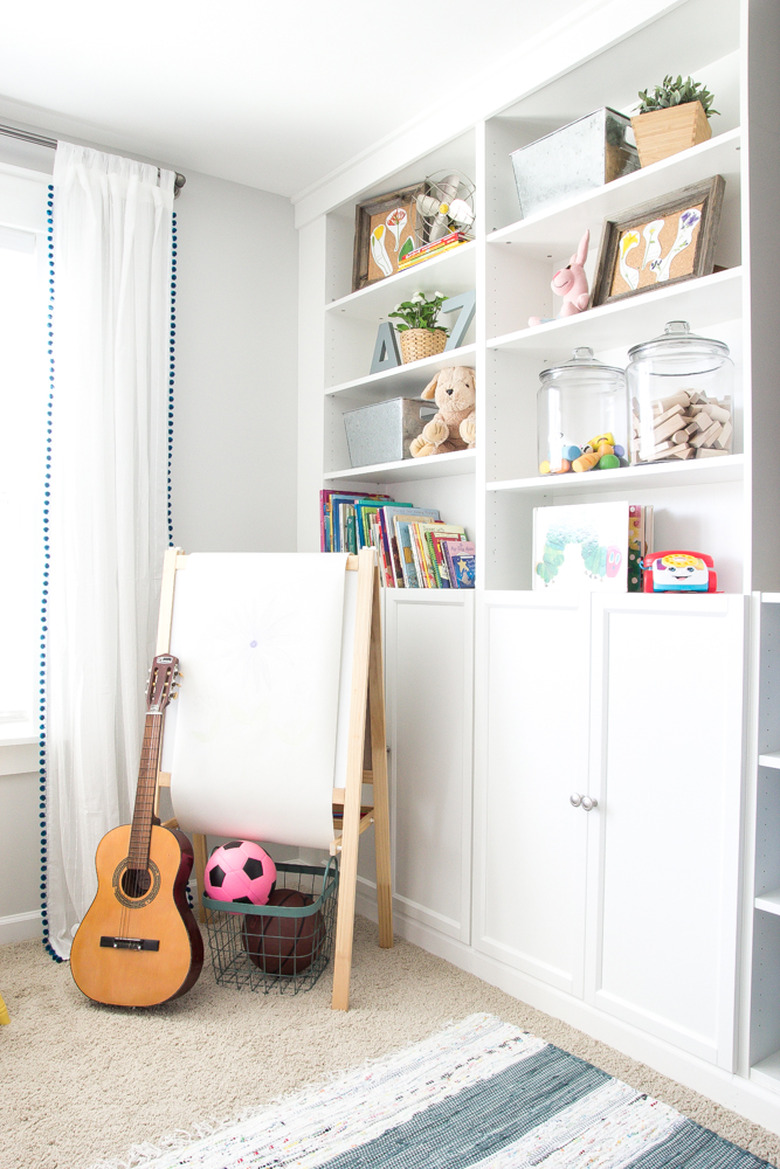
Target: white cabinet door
column 429, row 646
column 532, row 694
column 666, row 758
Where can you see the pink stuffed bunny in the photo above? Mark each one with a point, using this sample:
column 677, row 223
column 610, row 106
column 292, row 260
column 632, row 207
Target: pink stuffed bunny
column 571, row 283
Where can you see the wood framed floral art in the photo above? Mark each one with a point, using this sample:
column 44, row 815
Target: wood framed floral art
column 659, row 243
column 385, row 231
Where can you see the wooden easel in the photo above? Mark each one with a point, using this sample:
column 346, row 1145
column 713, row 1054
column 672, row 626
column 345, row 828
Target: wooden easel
column 366, row 743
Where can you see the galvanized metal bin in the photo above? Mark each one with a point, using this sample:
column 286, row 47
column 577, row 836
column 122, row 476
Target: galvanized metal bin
column 587, row 153
column 382, row 433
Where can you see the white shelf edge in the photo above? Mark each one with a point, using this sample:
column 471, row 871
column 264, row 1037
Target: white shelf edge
column 537, row 336
column 769, row 759
column 718, row 470
column 767, row 1072
column 646, row 180
column 407, row 371
column 769, row 902
column 406, row 470
column 352, row 299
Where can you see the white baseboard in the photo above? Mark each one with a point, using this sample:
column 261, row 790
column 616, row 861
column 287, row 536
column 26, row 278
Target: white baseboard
column 732, row 1090
column 20, row 927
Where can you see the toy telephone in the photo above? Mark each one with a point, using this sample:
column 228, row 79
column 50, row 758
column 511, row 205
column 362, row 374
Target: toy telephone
column 679, row 571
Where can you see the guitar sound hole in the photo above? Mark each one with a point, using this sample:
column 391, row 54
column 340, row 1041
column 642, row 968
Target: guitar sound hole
column 136, row 883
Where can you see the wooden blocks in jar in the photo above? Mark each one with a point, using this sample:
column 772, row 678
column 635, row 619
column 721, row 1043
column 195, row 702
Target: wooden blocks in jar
column 685, row 425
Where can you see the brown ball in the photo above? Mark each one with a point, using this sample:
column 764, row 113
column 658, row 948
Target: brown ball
column 284, row 945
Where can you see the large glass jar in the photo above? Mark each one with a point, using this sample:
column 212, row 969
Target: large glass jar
column 582, row 416
column 681, row 388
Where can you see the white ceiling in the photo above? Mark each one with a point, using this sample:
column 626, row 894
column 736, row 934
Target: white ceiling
column 269, row 93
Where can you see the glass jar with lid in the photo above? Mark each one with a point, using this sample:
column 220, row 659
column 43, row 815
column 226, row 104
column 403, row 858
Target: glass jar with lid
column 582, row 416
column 681, row 389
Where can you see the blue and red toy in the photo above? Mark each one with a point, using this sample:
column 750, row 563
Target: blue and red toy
column 679, row 571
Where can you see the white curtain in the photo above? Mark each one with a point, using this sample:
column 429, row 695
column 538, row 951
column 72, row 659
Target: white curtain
column 107, row 510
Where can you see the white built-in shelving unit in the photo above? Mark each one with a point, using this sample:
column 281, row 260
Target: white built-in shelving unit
column 725, row 506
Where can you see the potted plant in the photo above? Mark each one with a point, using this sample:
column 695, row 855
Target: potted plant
column 419, row 332
column 674, row 116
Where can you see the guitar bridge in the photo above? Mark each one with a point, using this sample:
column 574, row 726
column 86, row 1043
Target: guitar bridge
column 120, row 943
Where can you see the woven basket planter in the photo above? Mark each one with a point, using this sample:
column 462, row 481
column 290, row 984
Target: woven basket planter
column 417, row 343
column 664, row 132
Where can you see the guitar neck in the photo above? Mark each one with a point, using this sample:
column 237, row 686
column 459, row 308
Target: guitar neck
column 143, row 812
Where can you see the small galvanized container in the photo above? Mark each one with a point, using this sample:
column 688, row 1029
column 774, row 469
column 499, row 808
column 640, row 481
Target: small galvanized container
column 382, row 433
column 587, row 153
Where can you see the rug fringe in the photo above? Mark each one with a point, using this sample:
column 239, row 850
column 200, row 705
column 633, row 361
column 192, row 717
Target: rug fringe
column 142, row 1154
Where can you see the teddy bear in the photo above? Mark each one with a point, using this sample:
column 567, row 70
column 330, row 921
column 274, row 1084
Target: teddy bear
column 453, row 427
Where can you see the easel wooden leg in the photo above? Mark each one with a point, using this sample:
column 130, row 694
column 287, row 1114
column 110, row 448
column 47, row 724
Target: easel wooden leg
column 358, row 706
column 376, row 697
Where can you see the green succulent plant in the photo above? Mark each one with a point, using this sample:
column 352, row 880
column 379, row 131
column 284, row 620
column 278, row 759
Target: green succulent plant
column 675, row 92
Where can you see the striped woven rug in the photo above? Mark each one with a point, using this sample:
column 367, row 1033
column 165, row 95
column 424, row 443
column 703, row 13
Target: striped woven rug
column 482, row 1094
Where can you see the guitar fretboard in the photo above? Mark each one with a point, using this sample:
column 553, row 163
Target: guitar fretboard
column 143, row 812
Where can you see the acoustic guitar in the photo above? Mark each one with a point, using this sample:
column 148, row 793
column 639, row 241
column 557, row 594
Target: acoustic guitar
column 139, row 943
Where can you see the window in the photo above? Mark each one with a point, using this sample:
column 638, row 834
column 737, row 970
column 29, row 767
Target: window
column 23, row 402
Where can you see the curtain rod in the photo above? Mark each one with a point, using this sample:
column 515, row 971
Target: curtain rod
column 40, row 140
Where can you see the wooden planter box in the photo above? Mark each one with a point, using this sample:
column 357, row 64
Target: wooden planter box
column 664, row 132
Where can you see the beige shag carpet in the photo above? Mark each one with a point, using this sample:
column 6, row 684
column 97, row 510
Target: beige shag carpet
column 81, row 1083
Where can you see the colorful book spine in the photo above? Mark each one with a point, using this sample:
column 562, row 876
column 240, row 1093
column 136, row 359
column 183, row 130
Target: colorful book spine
column 428, row 250
column 461, row 561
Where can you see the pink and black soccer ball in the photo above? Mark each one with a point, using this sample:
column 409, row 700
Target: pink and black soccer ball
column 240, row 871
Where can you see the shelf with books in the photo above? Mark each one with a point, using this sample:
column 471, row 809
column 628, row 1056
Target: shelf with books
column 416, row 546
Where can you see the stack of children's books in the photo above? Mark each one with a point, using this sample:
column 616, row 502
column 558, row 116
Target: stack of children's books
column 453, row 240
column 416, row 549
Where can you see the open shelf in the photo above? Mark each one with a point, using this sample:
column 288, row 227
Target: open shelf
column 769, row 902
column 726, row 468
column 714, row 299
column 402, row 381
column 450, row 273
column 767, row 1072
column 408, row 470
column 548, row 232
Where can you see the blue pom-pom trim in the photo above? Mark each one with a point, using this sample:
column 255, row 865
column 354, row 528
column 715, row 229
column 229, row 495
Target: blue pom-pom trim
column 171, row 373
column 45, row 584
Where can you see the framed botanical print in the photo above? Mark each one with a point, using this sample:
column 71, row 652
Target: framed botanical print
column 385, row 231
column 659, row 243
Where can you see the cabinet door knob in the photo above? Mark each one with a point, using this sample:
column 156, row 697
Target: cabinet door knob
column 587, row 803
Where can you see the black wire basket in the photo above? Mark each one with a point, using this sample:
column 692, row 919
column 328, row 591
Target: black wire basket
column 282, row 946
